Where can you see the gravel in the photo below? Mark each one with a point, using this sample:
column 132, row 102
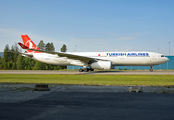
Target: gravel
column 23, row 92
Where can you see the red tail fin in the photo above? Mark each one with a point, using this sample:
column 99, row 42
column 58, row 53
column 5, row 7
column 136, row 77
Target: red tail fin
column 29, row 43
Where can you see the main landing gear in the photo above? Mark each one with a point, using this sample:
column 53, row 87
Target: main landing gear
column 151, row 68
column 85, row 69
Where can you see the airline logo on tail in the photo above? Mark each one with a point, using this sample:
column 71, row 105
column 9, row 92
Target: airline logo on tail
column 29, row 43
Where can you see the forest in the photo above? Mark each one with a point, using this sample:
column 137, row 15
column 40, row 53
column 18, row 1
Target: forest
column 15, row 61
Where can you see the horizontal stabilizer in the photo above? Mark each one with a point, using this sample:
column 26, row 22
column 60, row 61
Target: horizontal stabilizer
column 23, row 46
column 23, row 54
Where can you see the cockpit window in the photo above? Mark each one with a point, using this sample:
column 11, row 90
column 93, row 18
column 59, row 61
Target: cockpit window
column 162, row 55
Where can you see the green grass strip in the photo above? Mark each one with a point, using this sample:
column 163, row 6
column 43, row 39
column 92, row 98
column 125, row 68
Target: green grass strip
column 114, row 80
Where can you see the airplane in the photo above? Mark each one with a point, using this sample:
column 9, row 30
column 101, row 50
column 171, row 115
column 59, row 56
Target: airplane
column 91, row 60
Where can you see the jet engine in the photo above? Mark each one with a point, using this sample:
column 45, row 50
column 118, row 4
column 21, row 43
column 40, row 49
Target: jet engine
column 101, row 65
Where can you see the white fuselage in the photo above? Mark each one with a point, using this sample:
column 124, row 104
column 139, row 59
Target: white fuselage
column 116, row 58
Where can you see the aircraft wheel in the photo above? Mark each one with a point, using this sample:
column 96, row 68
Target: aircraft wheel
column 91, row 69
column 80, row 70
column 85, row 69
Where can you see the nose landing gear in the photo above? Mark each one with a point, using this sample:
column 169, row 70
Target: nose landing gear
column 151, row 68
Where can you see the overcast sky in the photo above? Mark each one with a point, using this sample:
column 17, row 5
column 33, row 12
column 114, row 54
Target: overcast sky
column 91, row 25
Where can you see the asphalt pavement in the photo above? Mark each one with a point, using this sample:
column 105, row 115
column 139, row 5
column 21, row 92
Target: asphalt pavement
column 67, row 102
column 159, row 72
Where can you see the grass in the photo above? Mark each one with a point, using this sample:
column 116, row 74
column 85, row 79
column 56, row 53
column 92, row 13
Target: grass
column 114, row 80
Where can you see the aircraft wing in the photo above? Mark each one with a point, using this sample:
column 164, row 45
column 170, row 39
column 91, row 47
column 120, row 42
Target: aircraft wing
column 62, row 54
column 71, row 56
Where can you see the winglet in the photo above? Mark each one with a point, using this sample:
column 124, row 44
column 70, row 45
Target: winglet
column 23, row 46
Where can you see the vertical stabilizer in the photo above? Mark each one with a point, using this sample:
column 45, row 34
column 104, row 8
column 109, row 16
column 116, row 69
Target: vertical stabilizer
column 29, row 43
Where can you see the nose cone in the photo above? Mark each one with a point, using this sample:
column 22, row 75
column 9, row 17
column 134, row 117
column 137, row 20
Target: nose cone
column 166, row 59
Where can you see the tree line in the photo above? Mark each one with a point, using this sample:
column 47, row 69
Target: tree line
column 14, row 61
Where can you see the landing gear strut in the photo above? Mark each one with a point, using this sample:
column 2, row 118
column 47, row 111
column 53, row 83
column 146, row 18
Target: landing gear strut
column 151, row 68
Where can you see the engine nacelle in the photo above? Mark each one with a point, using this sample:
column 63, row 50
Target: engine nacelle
column 101, row 65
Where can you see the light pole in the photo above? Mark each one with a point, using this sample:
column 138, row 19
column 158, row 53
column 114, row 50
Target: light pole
column 167, row 65
column 169, row 55
column 169, row 48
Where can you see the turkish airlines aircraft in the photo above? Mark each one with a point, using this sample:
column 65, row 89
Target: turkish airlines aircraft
column 91, row 60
